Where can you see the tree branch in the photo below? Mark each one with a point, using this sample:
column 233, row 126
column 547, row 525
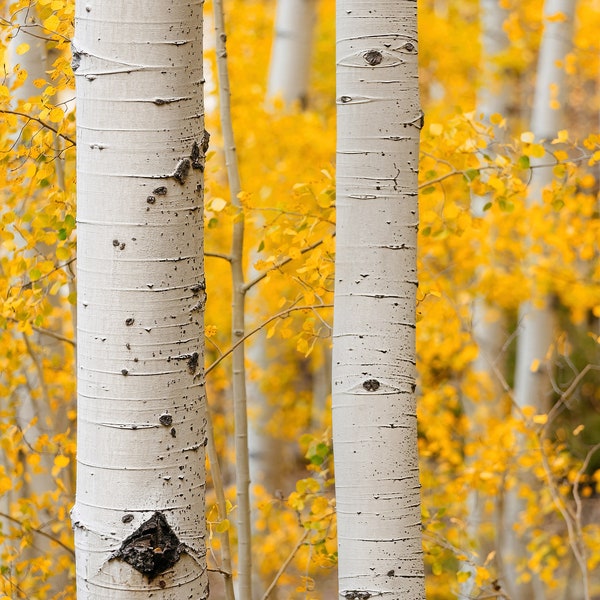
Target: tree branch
column 39, row 532
column 282, row 314
column 42, row 123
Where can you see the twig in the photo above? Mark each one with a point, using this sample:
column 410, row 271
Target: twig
column 42, row 123
column 39, row 532
column 283, row 313
column 278, row 265
column 285, row 565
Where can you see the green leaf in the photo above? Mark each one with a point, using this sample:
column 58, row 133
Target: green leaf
column 471, row 174
column 523, row 162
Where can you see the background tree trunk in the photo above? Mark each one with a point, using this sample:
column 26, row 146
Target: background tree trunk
column 139, row 515
column 536, row 333
column 289, row 72
column 374, row 413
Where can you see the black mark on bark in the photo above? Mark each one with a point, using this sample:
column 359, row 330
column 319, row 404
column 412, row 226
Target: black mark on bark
column 152, row 548
column 165, row 419
column 182, row 170
column 371, row 385
column 160, row 191
column 373, row 57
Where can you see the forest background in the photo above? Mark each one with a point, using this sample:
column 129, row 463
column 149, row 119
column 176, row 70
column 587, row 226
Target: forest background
column 510, row 485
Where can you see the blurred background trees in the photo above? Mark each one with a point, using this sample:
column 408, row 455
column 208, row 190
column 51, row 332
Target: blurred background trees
column 483, row 241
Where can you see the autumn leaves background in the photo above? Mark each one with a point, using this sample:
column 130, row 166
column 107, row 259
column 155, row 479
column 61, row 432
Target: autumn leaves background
column 478, row 451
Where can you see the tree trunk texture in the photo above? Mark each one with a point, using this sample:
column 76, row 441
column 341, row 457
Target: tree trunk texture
column 139, row 515
column 374, row 412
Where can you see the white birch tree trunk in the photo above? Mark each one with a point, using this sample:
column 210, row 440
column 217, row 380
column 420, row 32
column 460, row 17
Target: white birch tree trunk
column 536, row 323
column 139, row 512
column 374, row 412
column 533, row 370
column 488, row 327
column 289, row 71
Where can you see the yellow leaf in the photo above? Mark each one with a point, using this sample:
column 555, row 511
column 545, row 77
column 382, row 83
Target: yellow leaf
column 56, row 115
column 222, row 526
column 436, row 129
column 462, row 576
column 218, row 204
column 61, row 461
column 33, row 460
column 52, row 22
column 62, row 253
column 557, row 17
column 578, row 430
column 561, row 137
column 498, row 119
column 535, row 150
column 527, row 137
column 22, row 48
column 535, row 365
column 302, row 345
column 540, row 419
column 5, row 484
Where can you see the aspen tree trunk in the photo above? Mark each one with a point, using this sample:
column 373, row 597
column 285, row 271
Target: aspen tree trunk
column 536, row 331
column 488, row 326
column 289, row 72
column 238, row 321
column 374, row 412
column 533, row 371
column 139, row 512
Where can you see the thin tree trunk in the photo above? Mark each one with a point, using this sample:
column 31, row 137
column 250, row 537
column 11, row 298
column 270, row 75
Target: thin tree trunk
column 374, row 413
column 238, row 326
column 139, row 514
column 488, row 327
column 289, row 72
column 533, row 371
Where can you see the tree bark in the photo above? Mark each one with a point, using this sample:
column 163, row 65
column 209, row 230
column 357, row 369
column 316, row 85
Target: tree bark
column 289, row 72
column 139, row 514
column 374, row 412
column 533, row 370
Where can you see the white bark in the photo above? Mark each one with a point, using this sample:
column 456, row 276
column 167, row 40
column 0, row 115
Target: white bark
column 488, row 327
column 141, row 408
column 238, row 325
column 536, row 324
column 533, row 370
column 289, row 72
column 374, row 413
